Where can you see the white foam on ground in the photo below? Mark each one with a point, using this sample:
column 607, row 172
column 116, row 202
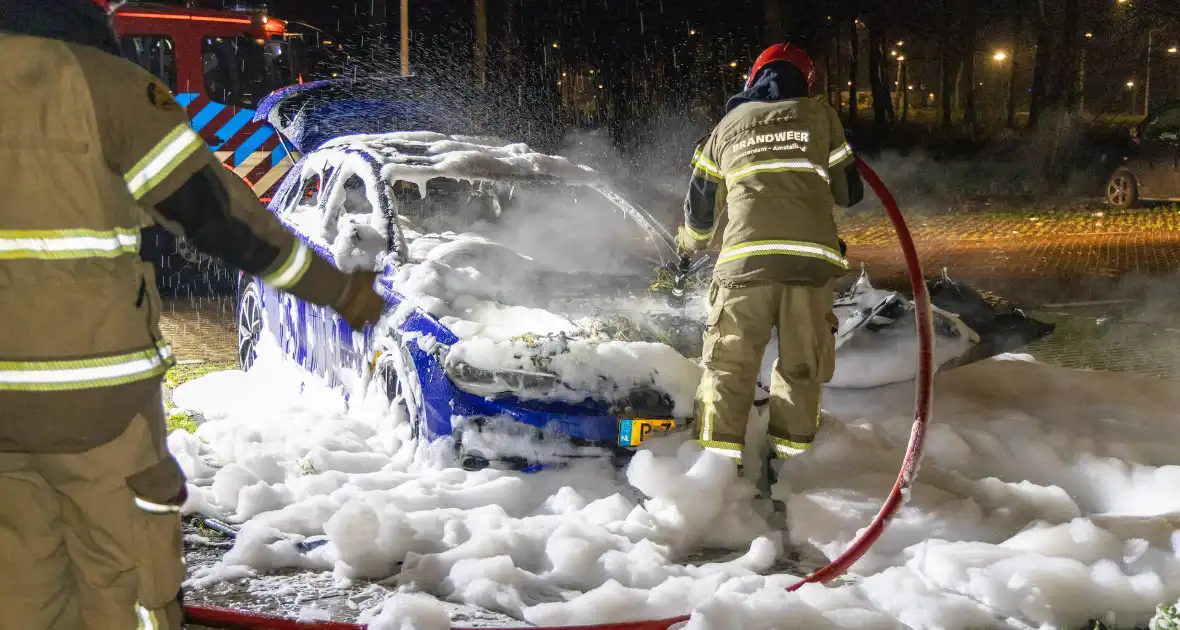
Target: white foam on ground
column 1048, row 497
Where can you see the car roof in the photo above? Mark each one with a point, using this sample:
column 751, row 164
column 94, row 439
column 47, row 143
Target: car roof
column 420, row 156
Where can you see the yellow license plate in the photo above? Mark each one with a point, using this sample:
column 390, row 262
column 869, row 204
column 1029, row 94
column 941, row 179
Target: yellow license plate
column 635, row 431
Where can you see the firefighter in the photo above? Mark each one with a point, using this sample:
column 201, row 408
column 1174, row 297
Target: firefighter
column 92, row 148
column 778, row 162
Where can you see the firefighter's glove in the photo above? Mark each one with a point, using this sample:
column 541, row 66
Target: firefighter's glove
column 360, row 304
column 686, row 244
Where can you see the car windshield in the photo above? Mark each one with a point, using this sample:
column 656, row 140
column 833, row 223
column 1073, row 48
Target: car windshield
column 561, row 227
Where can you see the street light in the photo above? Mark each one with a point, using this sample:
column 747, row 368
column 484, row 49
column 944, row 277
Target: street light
column 900, row 43
column 1130, row 84
column 1000, row 56
column 1173, row 50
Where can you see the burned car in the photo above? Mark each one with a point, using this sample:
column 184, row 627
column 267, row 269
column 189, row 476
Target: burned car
column 529, row 319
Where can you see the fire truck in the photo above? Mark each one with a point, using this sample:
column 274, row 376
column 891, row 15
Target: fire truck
column 220, row 64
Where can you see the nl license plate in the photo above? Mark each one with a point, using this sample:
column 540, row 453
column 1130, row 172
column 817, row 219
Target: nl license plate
column 636, row 431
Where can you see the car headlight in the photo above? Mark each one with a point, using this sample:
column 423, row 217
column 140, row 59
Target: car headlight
column 483, row 382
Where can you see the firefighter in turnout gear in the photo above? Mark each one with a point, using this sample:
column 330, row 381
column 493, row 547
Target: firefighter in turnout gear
column 776, row 165
column 92, row 149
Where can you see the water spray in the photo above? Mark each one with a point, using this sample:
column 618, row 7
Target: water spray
column 924, row 385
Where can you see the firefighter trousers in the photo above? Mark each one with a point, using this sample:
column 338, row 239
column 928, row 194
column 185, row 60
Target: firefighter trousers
column 740, row 323
column 92, row 540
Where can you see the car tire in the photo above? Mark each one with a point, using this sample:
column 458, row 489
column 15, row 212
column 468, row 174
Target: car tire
column 249, row 324
column 1122, row 190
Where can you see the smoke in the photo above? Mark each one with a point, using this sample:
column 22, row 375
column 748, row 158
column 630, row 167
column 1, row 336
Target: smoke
column 1058, row 162
column 652, row 163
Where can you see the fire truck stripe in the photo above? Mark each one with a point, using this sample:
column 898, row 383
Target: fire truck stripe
column 235, row 124
column 186, row 98
column 278, row 155
column 240, row 137
column 252, row 144
column 215, row 126
column 206, row 115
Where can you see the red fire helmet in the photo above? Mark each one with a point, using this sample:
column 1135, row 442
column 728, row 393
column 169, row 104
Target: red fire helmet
column 790, row 53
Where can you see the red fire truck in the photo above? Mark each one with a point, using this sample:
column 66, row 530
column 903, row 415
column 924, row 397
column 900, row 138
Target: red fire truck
column 220, row 64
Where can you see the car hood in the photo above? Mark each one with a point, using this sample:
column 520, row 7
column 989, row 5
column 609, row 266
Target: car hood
column 536, row 334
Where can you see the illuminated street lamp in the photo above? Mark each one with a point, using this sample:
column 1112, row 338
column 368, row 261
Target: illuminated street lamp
column 1130, row 85
column 1000, row 56
column 1173, row 50
column 733, row 64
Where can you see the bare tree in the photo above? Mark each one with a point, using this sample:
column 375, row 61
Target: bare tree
column 882, row 102
column 1040, row 14
column 773, row 33
column 853, row 68
column 970, row 43
column 945, row 64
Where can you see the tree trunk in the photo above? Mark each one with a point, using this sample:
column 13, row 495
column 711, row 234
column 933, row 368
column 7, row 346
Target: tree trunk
column 945, row 65
column 1017, row 27
column 828, row 72
column 877, row 83
column 1037, row 100
column 853, row 68
column 839, row 81
column 1068, row 72
column 773, row 32
column 481, row 43
column 970, row 39
column 905, row 92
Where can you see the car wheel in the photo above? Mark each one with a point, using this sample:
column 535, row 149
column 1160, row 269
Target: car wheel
column 249, row 325
column 1122, row 191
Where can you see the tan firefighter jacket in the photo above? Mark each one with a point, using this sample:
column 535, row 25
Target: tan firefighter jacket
column 89, row 144
column 777, row 167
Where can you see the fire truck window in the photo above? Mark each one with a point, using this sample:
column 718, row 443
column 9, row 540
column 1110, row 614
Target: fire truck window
column 243, row 70
column 218, row 56
column 154, row 53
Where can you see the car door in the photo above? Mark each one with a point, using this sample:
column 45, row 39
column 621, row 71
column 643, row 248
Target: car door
column 1158, row 162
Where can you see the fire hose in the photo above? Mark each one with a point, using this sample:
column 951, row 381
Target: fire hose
column 924, row 385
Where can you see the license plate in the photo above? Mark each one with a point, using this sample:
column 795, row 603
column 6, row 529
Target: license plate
column 635, row 431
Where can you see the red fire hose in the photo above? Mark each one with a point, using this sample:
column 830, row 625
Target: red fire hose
column 237, row 620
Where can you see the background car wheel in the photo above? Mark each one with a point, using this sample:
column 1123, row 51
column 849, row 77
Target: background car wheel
column 249, row 325
column 1122, row 191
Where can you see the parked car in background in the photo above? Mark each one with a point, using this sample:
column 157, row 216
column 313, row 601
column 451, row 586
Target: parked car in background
column 1151, row 169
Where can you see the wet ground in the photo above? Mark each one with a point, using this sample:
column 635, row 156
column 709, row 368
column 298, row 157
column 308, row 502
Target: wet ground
column 1109, row 280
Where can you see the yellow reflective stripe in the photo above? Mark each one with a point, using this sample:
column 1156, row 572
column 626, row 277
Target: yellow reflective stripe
column 790, row 248
column 706, row 165
column 156, row 508
column 292, row 269
column 843, row 152
column 731, row 450
column 162, row 160
column 38, row 376
column 67, row 244
column 147, row 618
column 777, row 166
column 788, row 448
column 698, row 235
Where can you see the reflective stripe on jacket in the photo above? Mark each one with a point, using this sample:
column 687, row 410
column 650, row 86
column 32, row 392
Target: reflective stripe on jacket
column 93, row 149
column 775, row 168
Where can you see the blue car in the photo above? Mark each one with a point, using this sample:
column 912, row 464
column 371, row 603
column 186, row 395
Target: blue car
column 378, row 201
